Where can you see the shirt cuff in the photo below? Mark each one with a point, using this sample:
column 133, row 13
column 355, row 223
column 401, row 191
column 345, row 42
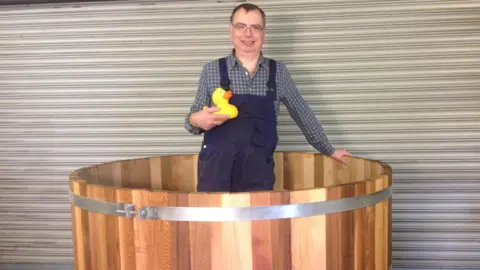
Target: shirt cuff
column 324, row 148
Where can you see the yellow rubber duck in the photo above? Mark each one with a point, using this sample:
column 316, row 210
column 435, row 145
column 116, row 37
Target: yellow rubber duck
column 220, row 98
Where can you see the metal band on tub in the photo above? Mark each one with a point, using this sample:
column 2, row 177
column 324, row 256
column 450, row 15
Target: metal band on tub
column 213, row 214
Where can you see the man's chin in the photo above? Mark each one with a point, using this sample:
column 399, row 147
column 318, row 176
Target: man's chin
column 247, row 49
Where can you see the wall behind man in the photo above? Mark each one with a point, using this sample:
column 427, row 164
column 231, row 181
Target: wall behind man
column 392, row 80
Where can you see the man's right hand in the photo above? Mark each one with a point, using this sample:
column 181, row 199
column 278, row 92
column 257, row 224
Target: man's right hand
column 206, row 120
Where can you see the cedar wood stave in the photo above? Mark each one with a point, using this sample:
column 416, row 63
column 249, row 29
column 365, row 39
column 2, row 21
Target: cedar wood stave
column 356, row 239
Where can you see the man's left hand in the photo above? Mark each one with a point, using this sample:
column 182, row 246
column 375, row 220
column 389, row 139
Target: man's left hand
column 339, row 155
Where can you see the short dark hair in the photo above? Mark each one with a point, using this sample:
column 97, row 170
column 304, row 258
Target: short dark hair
column 248, row 7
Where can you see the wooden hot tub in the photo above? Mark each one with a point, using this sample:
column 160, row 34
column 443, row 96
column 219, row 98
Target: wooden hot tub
column 144, row 214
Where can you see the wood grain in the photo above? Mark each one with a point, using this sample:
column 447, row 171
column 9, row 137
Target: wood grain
column 358, row 239
column 80, row 235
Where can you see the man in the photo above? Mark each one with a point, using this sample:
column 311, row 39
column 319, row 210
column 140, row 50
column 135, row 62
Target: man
column 237, row 154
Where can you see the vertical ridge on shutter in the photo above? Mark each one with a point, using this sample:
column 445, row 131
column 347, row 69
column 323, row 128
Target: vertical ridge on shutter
column 86, row 83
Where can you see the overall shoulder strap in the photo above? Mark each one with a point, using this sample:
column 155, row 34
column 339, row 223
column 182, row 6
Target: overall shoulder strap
column 224, row 80
column 272, row 82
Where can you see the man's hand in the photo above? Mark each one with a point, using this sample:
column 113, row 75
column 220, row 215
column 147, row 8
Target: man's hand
column 206, row 120
column 339, row 155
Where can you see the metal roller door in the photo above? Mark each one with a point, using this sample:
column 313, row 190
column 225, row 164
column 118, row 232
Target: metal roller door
column 87, row 83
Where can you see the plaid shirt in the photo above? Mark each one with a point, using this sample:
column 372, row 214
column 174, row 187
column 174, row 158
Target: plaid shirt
column 242, row 83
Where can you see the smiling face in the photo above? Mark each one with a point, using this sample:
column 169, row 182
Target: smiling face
column 247, row 31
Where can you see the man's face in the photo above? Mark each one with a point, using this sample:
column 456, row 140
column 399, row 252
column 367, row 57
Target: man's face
column 247, row 31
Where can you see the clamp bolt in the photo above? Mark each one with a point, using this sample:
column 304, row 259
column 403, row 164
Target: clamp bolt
column 143, row 213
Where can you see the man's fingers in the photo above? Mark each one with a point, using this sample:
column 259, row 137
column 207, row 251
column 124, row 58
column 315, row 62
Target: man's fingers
column 212, row 109
column 212, row 120
column 342, row 160
column 209, row 126
column 218, row 122
column 221, row 116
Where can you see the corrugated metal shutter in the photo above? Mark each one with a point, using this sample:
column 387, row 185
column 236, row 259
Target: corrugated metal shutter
column 391, row 80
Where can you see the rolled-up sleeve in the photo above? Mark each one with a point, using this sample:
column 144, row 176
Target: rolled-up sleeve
column 200, row 100
column 302, row 114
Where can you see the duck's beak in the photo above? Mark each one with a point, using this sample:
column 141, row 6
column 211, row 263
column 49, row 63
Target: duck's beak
column 228, row 94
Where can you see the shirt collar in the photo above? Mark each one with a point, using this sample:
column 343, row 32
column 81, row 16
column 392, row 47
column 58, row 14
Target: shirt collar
column 232, row 60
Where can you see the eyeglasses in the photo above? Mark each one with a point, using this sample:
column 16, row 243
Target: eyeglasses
column 243, row 27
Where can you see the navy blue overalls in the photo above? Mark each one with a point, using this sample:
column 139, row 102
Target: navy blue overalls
column 238, row 155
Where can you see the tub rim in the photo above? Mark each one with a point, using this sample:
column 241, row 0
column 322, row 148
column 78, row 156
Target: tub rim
column 320, row 206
